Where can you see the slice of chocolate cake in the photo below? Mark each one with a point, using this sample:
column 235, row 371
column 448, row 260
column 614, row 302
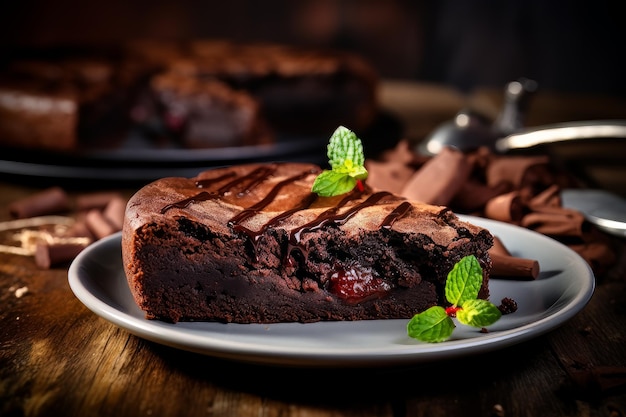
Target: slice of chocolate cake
column 60, row 104
column 208, row 113
column 253, row 244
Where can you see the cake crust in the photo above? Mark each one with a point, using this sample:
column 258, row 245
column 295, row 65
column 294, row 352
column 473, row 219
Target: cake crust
column 252, row 244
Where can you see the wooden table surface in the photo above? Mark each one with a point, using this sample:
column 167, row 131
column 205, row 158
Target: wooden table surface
column 59, row 358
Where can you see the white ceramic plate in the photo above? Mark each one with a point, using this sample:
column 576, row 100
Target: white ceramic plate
column 563, row 288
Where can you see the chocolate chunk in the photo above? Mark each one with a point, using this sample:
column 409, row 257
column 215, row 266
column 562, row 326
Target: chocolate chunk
column 98, row 224
column 50, row 254
column 505, row 207
column 49, row 201
column 504, row 266
column 439, row 179
column 98, row 200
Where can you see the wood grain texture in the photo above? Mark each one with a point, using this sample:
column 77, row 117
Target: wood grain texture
column 57, row 358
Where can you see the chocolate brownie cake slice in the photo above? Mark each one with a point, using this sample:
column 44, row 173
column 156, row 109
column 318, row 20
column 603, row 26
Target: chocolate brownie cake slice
column 59, row 104
column 252, row 244
column 301, row 91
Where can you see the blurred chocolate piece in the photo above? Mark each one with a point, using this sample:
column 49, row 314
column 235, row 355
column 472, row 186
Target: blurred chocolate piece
column 517, row 170
column 555, row 221
column 80, row 229
column 505, row 207
column 549, row 197
column 474, row 195
column 51, row 254
column 403, row 154
column 49, row 201
column 599, row 255
column 98, row 224
column 97, row 200
column 114, row 212
column 439, row 179
column 391, row 176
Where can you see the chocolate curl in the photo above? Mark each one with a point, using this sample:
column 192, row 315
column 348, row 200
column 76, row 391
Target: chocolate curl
column 98, row 200
column 403, row 154
column 50, row 254
column 555, row 221
column 513, row 267
column 98, row 224
column 114, row 212
column 49, row 201
column 549, row 197
column 600, row 380
column 474, row 195
column 597, row 254
column 517, row 170
column 80, row 229
column 498, row 247
column 506, row 208
column 439, row 179
column 388, row 176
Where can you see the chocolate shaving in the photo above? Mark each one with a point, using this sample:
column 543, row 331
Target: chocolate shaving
column 521, row 190
column 439, row 179
column 98, row 224
column 98, row 200
column 505, row 207
column 50, row 201
column 54, row 239
column 50, row 254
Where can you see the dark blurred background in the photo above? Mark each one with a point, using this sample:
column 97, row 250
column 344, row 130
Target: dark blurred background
column 567, row 46
column 435, row 57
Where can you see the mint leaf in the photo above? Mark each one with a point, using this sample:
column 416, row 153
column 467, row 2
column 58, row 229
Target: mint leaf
column 462, row 287
column 330, row 183
column 464, row 281
column 478, row 313
column 432, row 325
column 346, row 159
column 345, row 149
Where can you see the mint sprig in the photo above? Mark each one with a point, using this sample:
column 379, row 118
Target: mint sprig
column 346, row 159
column 464, row 280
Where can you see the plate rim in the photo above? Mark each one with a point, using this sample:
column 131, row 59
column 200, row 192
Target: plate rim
column 170, row 335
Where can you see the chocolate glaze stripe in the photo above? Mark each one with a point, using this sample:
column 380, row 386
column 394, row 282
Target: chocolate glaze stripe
column 254, row 209
column 397, row 213
column 294, row 237
column 203, row 196
column 205, row 183
column 254, row 177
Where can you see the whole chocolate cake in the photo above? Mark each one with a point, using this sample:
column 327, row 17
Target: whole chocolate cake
column 195, row 94
column 252, row 244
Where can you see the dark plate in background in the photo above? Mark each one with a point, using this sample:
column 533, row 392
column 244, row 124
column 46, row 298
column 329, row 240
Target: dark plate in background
column 137, row 161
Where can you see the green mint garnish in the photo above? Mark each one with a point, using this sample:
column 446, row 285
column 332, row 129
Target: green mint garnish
column 346, row 159
column 433, row 325
column 464, row 281
column 436, row 325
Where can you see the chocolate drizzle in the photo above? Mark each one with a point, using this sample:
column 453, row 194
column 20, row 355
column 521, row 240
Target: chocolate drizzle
column 254, row 236
column 254, row 177
column 397, row 213
column 330, row 216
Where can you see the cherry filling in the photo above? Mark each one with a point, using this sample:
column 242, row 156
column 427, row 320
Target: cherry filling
column 356, row 284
